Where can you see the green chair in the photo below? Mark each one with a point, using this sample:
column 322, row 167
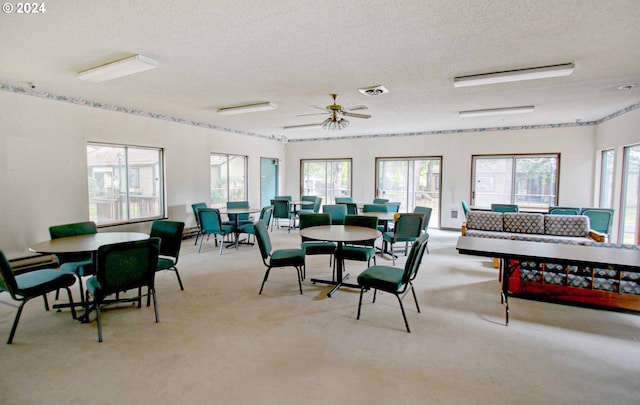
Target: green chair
column 317, row 201
column 382, row 225
column 242, row 218
column 505, row 208
column 314, row 247
column 281, row 210
column 393, row 206
column 265, row 216
column 426, row 212
column 362, row 251
column 122, row 267
column 556, row 210
column 343, row 200
column 394, row 280
column 33, row 284
column 337, row 212
column 407, row 229
column 278, row 258
column 352, row 208
column 170, row 235
column 380, row 200
column 283, row 197
column 211, row 224
column 195, row 207
column 80, row 264
column 600, row 219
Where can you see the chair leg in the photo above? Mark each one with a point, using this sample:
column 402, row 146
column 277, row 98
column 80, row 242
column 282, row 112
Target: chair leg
column 178, row 275
column 46, row 302
column 155, row 304
column 99, row 322
column 406, row 323
column 200, row 247
column 414, row 297
column 299, row 272
column 221, row 244
column 73, row 308
column 360, row 302
column 266, row 276
column 393, row 255
column 15, row 322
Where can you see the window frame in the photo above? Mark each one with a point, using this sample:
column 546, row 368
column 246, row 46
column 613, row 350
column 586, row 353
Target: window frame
column 327, row 198
column 607, row 178
column 221, row 203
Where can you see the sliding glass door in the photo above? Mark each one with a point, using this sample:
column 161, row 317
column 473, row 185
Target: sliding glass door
column 629, row 218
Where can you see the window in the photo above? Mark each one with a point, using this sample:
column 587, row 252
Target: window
column 606, row 178
column 410, row 181
column 629, row 218
column 530, row 181
column 125, row 183
column 228, row 179
column 326, row 178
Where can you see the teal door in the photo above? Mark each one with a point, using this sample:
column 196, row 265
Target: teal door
column 268, row 180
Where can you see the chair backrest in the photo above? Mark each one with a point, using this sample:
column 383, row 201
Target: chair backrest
column 344, row 200
column 73, row 229
column 7, row 278
column 465, row 207
column 352, row 208
column 505, row 208
column 210, row 220
column 316, row 202
column 237, row 204
column 170, row 235
column 426, row 212
column 128, row 265
column 363, row 221
column 262, row 237
column 280, row 208
column 408, row 227
column 556, row 210
column 265, row 214
column 375, row 208
column 337, row 211
column 308, row 220
column 600, row 219
column 283, row 197
column 380, row 200
column 195, row 207
column 393, row 206
column 415, row 258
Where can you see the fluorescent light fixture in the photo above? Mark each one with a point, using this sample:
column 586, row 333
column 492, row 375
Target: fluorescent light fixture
column 302, row 127
column 497, row 111
column 119, row 68
column 247, row 108
column 542, row 72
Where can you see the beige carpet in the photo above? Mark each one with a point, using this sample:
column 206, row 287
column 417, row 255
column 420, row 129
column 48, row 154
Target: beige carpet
column 219, row 342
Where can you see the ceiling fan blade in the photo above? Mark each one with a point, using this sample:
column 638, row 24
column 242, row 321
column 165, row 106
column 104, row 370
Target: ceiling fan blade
column 304, row 115
column 356, row 107
column 318, row 107
column 354, row 115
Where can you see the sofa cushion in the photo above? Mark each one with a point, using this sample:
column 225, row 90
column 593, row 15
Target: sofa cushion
column 484, row 220
column 567, row 225
column 523, row 222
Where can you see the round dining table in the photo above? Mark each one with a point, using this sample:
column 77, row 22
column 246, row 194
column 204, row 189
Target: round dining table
column 85, row 243
column 340, row 234
column 237, row 212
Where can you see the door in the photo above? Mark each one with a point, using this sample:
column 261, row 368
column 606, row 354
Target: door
column 268, row 180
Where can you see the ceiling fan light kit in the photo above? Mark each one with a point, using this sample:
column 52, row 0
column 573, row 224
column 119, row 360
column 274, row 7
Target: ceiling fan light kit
column 335, row 124
column 497, row 111
column 247, row 108
column 119, row 68
column 541, row 72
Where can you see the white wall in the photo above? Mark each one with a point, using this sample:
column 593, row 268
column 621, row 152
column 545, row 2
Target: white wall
column 575, row 144
column 43, row 169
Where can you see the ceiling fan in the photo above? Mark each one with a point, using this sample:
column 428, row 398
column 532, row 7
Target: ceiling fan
column 336, row 121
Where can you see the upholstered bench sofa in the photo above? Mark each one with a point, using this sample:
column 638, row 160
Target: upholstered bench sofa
column 606, row 287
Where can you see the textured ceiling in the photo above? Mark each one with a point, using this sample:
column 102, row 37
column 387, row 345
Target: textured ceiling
column 295, row 53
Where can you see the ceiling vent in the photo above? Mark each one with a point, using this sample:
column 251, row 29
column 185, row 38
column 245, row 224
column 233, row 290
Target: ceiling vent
column 373, row 91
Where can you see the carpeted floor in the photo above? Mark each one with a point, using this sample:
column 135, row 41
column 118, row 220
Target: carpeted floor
column 219, row 342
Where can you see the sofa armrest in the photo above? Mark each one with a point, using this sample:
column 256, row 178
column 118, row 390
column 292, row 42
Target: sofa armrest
column 597, row 236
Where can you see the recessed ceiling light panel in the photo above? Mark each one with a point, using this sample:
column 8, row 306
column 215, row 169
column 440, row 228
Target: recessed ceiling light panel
column 497, row 111
column 541, row 72
column 119, row 68
column 247, row 108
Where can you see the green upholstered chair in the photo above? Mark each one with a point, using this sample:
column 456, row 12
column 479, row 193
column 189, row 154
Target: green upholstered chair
column 557, row 210
column 317, row 201
column 382, row 225
column 242, row 218
column 394, row 280
column 337, row 211
column 80, row 264
column 426, row 212
column 265, row 216
column 362, row 251
column 343, row 200
column 281, row 210
column 600, row 219
column 407, row 229
column 380, row 200
column 283, row 197
column 314, row 247
column 393, row 206
column 33, row 284
column 195, row 207
column 122, row 267
column 505, row 208
column 352, row 208
column 212, row 224
column 465, row 208
column 278, row 258
column 170, row 235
